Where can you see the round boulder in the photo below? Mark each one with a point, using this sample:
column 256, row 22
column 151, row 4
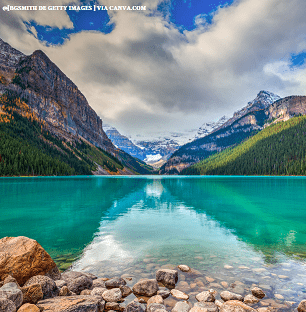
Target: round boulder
column 98, row 291
column 181, row 306
column 250, row 299
column 167, row 277
column 146, row 287
column 48, row 285
column 28, row 308
column 22, row 258
column 184, row 268
column 155, row 299
column 205, row 296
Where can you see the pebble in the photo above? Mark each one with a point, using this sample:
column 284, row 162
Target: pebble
column 209, row 279
column 283, row 276
column 224, row 284
column 228, row 267
column 278, row 296
column 184, row 268
column 179, row 294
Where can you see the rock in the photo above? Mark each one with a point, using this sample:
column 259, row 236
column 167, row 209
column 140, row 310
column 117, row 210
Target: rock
column 227, row 295
column 112, row 295
column 146, row 287
column 228, row 267
column 22, row 258
column 181, row 306
column 218, row 303
column 90, row 275
column 54, row 274
column 85, row 292
column 98, row 291
column 204, row 307
column 155, row 299
column 48, row 285
column 12, row 292
column 113, row 306
column 60, row 283
column 135, row 306
column 32, row 293
column 10, row 279
column 165, row 293
column 77, row 281
column 125, row 290
column 64, row 291
column 209, row 279
column 28, row 307
column 167, row 277
column 7, row 305
column 99, row 282
column 257, row 292
column 279, row 296
column 179, row 294
column 184, row 268
column 156, row 307
column 250, row 299
column 72, row 304
column 235, row 306
column 206, row 296
column 302, row 306
column 115, row 282
column 224, row 284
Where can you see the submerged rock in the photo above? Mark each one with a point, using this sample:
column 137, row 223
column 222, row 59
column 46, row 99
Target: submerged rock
column 235, row 306
column 181, row 306
column 204, row 307
column 156, row 307
column 22, row 258
column 258, row 292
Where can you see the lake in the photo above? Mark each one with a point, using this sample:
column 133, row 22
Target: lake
column 235, row 231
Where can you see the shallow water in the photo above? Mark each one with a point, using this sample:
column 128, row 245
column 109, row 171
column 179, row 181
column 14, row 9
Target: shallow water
column 240, row 230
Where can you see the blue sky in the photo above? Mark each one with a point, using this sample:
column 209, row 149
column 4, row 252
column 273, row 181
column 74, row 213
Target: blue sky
column 181, row 13
column 174, row 66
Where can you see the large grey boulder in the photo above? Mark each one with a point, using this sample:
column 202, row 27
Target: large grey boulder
column 48, row 285
column 72, row 304
column 77, row 281
column 7, row 305
column 227, row 295
column 167, row 277
column 135, row 306
column 12, row 292
column 115, row 282
column 146, row 287
column 112, row 295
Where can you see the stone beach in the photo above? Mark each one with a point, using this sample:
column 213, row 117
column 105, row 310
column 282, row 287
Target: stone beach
column 31, row 281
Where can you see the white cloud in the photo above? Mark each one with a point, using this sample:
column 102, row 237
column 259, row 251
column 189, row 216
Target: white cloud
column 146, row 67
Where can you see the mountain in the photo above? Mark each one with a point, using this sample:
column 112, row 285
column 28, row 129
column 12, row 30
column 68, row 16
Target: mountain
column 123, row 142
column 279, row 149
column 244, row 124
column 42, row 90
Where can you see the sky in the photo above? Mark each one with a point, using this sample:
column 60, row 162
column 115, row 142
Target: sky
column 173, row 66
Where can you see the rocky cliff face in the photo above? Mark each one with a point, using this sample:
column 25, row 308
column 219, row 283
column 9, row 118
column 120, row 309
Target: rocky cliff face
column 265, row 109
column 51, row 95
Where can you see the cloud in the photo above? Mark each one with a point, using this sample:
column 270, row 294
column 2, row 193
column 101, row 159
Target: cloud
column 147, row 68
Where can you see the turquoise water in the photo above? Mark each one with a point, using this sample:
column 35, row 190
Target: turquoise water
column 134, row 225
